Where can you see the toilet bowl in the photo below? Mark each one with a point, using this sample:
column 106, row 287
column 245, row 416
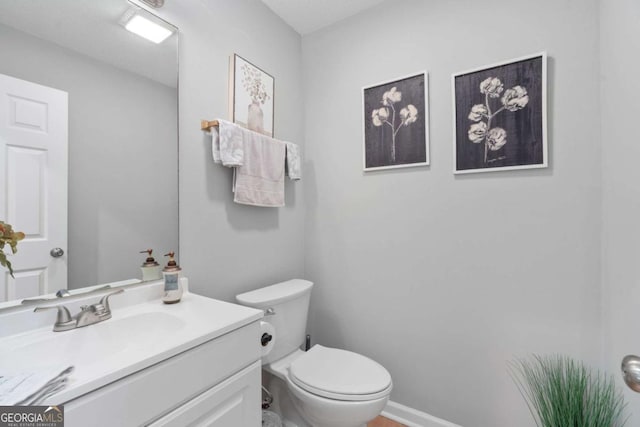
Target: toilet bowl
column 322, row 412
column 323, row 387
column 338, row 388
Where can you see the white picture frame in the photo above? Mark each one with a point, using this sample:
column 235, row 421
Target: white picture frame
column 251, row 96
column 397, row 137
column 501, row 125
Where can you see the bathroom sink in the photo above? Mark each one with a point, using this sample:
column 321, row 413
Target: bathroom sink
column 88, row 345
column 142, row 329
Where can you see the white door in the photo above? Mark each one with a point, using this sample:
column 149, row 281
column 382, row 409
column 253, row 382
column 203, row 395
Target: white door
column 33, row 185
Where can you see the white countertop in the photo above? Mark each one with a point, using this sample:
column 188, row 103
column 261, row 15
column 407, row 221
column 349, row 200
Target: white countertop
column 136, row 337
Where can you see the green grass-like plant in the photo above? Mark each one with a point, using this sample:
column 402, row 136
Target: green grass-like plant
column 562, row 392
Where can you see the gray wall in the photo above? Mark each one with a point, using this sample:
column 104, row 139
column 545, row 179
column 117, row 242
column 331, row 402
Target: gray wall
column 226, row 248
column 445, row 278
column 441, row 278
column 123, row 190
column 619, row 47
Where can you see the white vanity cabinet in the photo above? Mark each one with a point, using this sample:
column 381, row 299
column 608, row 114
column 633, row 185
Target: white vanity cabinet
column 151, row 364
column 215, row 384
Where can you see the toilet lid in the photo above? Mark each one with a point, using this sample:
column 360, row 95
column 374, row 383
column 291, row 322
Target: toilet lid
column 340, row 374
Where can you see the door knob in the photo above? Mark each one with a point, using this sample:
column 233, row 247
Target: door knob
column 56, row 252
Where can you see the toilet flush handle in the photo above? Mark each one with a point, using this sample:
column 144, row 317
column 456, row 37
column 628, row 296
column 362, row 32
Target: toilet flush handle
column 269, row 311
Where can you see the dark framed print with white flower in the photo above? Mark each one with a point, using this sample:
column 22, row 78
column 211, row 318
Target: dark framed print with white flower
column 500, row 118
column 251, row 92
column 396, row 128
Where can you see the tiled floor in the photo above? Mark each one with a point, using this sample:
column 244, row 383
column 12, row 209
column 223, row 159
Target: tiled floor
column 384, row 422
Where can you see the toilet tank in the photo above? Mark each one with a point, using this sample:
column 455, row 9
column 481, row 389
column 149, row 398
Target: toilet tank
column 290, row 304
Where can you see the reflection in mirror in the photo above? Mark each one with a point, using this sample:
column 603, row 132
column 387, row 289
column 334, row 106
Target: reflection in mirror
column 88, row 143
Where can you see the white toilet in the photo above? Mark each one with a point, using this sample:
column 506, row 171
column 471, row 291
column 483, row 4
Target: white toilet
column 323, row 387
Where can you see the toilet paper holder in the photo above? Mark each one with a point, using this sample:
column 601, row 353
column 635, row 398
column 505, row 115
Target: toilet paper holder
column 266, row 339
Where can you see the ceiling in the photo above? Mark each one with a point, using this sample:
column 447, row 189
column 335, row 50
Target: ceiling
column 92, row 28
column 307, row 16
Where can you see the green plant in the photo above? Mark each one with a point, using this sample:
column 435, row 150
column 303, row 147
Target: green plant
column 562, row 392
column 10, row 237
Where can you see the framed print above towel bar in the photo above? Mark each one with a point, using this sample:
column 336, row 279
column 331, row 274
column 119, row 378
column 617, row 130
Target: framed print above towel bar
column 251, row 93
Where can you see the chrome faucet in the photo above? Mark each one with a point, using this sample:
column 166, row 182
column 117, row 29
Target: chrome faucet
column 89, row 314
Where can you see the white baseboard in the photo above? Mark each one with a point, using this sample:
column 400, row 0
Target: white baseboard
column 412, row 417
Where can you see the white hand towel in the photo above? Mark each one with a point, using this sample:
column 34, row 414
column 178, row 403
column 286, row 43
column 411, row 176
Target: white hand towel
column 260, row 180
column 215, row 145
column 227, row 144
column 31, row 388
column 294, row 161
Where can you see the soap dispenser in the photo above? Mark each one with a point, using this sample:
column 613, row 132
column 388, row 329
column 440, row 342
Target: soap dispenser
column 150, row 268
column 171, row 273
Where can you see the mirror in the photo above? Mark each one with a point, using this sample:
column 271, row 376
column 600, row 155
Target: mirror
column 119, row 195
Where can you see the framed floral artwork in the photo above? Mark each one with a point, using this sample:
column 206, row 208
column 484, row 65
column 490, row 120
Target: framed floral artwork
column 500, row 118
column 396, row 128
column 251, row 92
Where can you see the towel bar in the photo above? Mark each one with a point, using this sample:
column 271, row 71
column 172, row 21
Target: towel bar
column 207, row 125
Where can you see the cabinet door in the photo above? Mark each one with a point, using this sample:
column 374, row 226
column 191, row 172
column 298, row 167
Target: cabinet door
column 151, row 393
column 233, row 403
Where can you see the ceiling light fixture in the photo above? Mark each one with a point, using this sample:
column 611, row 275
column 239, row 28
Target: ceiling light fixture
column 145, row 27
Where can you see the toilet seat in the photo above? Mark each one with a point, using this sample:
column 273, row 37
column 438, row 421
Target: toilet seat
column 340, row 375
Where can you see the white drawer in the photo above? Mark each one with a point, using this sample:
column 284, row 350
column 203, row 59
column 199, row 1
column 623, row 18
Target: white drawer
column 150, row 393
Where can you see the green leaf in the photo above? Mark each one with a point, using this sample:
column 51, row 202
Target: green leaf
column 6, row 263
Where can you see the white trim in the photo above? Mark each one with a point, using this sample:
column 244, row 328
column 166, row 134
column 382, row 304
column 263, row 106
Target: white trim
column 545, row 153
column 426, row 124
column 408, row 165
column 412, row 417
